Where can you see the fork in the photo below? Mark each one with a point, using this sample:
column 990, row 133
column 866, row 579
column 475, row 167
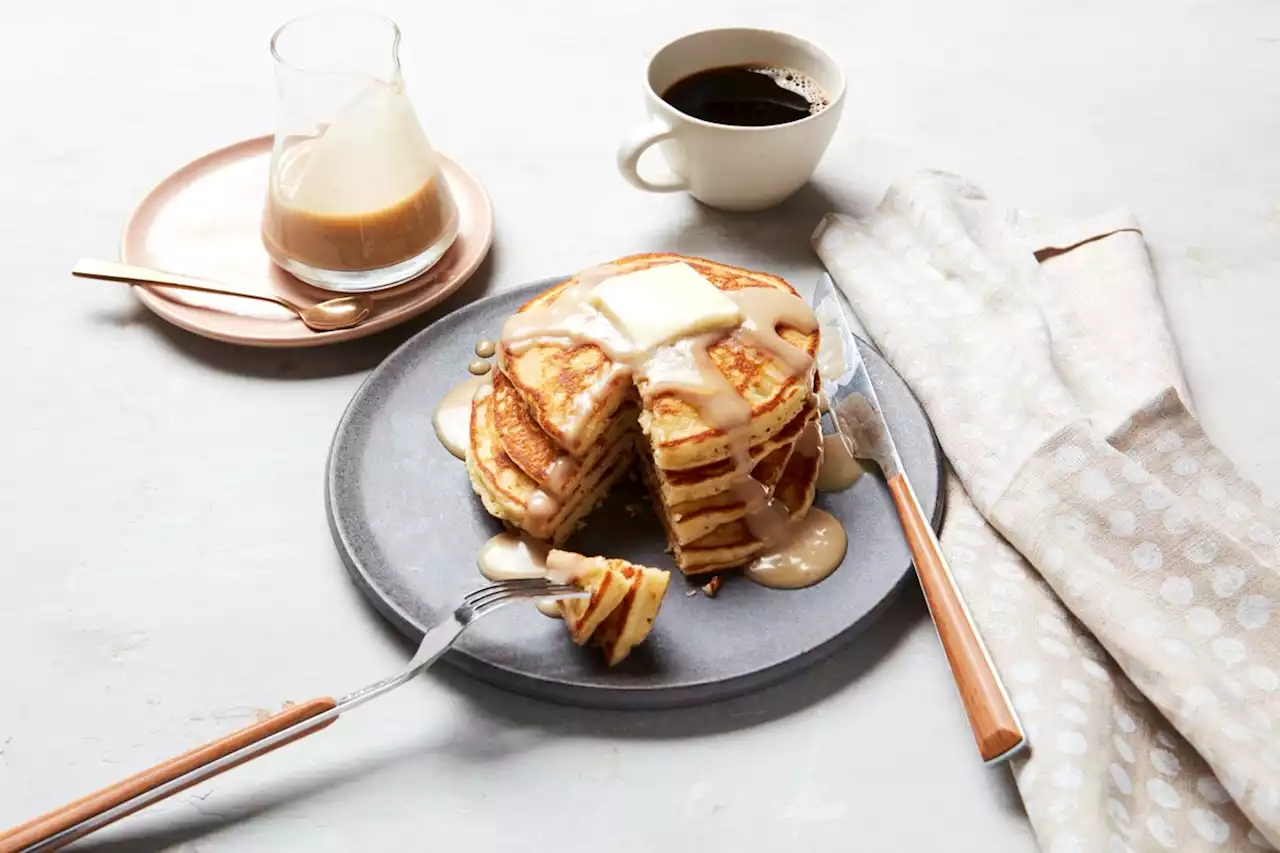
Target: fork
column 80, row 817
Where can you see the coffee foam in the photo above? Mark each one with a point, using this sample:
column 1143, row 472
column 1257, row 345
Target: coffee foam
column 794, row 81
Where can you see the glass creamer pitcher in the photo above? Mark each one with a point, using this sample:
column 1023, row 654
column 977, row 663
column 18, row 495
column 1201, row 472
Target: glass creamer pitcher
column 355, row 200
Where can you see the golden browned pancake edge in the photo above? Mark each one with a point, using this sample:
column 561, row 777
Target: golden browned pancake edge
column 533, row 451
column 632, row 620
column 506, row 490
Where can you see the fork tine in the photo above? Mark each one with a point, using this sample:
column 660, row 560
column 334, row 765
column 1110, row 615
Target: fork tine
column 498, row 597
column 543, row 591
column 563, row 590
column 516, row 584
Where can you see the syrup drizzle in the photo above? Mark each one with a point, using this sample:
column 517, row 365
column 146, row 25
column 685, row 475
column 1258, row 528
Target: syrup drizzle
column 512, row 556
column 839, row 469
column 509, row 556
column 815, row 549
column 452, row 417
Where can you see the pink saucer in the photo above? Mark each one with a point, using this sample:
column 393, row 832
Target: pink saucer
column 203, row 220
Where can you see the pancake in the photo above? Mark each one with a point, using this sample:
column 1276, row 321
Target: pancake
column 632, row 620
column 689, row 520
column 624, row 602
column 573, row 387
column 592, row 496
column 533, row 451
column 510, row 494
column 599, row 576
column 798, row 485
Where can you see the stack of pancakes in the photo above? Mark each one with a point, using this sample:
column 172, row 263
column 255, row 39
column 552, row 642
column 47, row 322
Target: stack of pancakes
column 561, row 424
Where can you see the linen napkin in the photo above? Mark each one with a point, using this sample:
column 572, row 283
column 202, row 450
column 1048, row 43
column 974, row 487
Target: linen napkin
column 1127, row 603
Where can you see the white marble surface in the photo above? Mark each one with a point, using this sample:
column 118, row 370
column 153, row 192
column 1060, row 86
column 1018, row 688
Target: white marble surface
column 166, row 565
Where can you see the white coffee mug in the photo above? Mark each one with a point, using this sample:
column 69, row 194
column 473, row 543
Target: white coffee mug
column 728, row 166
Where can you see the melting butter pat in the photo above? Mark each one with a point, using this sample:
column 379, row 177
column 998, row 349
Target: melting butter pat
column 662, row 304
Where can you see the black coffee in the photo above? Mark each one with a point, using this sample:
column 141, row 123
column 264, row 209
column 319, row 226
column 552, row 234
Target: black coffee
column 747, row 95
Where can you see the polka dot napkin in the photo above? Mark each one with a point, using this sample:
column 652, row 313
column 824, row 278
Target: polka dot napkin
column 1121, row 569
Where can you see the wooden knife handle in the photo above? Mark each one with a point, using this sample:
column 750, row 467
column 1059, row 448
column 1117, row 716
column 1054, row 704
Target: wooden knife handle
column 48, row 825
column 991, row 716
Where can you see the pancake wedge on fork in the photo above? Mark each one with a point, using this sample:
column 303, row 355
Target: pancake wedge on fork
column 624, row 601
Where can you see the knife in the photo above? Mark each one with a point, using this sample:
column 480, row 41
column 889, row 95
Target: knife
column 856, row 418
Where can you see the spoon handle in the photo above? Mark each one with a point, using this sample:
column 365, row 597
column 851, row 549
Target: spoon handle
column 113, row 271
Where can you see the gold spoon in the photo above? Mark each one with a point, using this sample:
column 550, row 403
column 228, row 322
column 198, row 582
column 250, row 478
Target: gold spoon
column 342, row 312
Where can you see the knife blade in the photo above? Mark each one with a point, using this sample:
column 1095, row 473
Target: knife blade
column 851, row 399
column 856, row 417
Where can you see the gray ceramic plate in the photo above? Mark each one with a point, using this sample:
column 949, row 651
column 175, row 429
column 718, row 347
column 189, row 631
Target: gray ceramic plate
column 408, row 528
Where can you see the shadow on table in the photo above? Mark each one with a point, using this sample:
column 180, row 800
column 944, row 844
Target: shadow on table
column 776, row 239
column 302, row 362
column 502, row 723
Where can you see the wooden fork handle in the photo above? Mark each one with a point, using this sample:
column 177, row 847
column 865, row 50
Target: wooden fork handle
column 100, row 802
column 991, row 715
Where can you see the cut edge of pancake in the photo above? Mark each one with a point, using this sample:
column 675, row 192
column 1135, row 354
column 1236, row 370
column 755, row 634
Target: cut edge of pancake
column 732, row 544
column 705, row 481
column 691, row 520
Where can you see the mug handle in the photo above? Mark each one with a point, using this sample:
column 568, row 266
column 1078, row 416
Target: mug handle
column 633, row 146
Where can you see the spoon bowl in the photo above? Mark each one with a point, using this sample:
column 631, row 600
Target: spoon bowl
column 341, row 313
